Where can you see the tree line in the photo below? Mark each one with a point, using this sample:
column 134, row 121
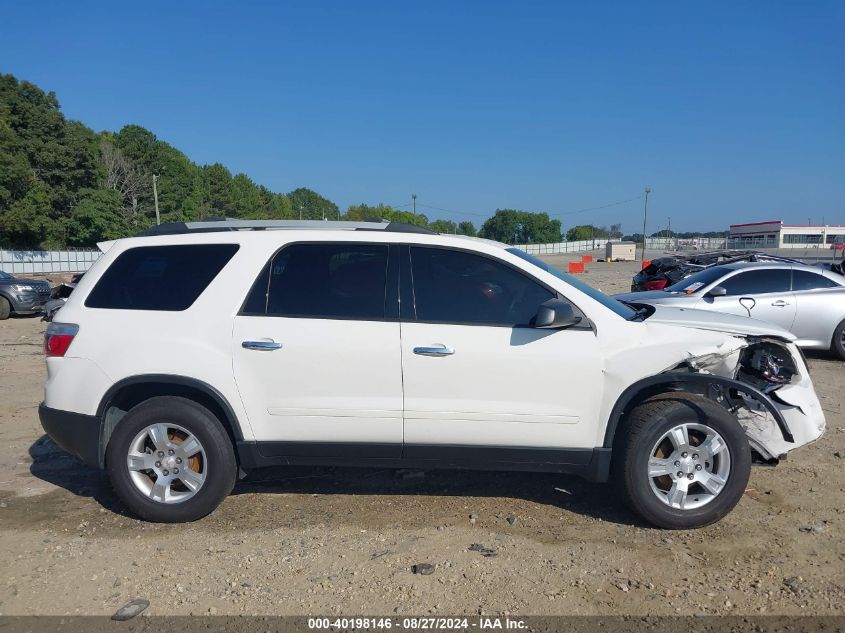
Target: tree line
column 62, row 184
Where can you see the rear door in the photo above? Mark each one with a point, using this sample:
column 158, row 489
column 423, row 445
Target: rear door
column 820, row 303
column 479, row 381
column 316, row 352
column 761, row 293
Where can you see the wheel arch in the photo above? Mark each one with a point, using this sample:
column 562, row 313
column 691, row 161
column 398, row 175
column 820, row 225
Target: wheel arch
column 131, row 391
column 684, row 382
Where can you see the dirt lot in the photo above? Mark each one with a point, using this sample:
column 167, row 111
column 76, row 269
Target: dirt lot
column 342, row 541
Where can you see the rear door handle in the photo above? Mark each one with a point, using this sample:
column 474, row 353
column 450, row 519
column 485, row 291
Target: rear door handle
column 780, row 303
column 267, row 346
column 434, row 350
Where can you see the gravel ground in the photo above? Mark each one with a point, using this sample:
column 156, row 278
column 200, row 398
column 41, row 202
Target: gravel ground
column 343, row 541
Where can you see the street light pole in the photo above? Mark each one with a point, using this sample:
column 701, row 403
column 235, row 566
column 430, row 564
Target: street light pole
column 414, row 200
column 155, row 197
column 645, row 218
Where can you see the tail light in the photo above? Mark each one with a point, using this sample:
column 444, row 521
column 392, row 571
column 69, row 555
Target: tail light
column 58, row 338
column 657, row 284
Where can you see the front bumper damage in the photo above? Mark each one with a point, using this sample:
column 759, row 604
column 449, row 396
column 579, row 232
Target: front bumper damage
column 769, row 391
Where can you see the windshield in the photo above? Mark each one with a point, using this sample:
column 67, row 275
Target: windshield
column 698, row 280
column 608, row 302
column 4, row 275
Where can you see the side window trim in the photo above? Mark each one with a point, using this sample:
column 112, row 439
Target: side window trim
column 267, row 270
column 408, row 286
column 750, row 272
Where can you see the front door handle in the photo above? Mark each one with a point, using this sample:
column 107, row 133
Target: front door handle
column 434, row 350
column 780, row 303
column 267, row 346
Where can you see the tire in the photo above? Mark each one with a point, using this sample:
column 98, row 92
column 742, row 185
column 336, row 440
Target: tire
column 647, row 435
column 175, row 426
column 5, row 308
column 837, row 345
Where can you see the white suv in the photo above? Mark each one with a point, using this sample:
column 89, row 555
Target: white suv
column 195, row 352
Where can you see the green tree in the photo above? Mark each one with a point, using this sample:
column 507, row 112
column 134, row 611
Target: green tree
column 521, row 227
column 466, row 228
column 443, row 226
column 97, row 216
column 312, row 205
column 60, row 183
column 586, row 232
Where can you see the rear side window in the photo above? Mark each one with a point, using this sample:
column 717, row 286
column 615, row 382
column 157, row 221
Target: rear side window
column 804, row 280
column 329, row 281
column 458, row 287
column 168, row 278
column 755, row 282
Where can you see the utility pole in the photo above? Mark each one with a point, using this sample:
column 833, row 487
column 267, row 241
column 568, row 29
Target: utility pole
column 155, row 197
column 414, row 200
column 669, row 230
column 300, row 212
column 645, row 218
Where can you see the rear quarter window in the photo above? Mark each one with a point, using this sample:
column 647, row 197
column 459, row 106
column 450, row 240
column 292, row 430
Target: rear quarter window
column 168, row 278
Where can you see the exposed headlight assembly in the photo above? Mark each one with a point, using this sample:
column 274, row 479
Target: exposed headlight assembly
column 767, row 365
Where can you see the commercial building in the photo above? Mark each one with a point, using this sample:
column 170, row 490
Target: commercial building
column 776, row 234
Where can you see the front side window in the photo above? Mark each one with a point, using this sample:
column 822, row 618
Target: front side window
column 805, row 280
column 459, row 287
column 168, row 278
column 330, row 281
column 756, row 282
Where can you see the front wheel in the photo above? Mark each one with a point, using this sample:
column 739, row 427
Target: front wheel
column 5, row 308
column 837, row 346
column 170, row 460
column 684, row 463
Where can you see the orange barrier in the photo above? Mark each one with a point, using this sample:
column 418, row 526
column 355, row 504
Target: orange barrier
column 586, row 258
column 576, row 267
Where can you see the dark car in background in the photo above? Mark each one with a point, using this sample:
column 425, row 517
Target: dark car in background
column 663, row 272
column 22, row 296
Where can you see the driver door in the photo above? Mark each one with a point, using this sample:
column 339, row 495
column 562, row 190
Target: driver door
column 761, row 293
column 478, row 379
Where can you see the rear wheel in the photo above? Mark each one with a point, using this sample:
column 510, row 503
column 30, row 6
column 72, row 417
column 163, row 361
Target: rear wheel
column 838, row 344
column 170, row 460
column 5, row 308
column 684, row 461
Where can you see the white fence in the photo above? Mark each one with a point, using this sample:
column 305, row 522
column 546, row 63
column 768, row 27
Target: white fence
column 694, row 243
column 562, row 247
column 45, row 262
column 652, row 243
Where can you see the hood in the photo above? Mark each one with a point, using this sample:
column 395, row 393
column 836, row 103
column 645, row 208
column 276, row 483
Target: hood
column 649, row 296
column 26, row 282
column 716, row 321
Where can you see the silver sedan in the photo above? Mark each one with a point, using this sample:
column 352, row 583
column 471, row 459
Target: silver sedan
column 806, row 300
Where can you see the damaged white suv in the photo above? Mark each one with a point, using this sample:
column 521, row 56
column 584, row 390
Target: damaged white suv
column 196, row 352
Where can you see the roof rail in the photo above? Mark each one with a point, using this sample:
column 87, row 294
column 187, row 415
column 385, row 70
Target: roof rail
column 217, row 225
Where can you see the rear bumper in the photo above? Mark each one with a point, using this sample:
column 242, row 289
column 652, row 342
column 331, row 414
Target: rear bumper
column 76, row 433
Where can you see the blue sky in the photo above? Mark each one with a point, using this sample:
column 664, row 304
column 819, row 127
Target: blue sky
column 730, row 111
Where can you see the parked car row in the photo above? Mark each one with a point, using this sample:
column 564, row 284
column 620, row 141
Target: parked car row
column 809, row 301
column 33, row 296
column 665, row 271
column 22, row 296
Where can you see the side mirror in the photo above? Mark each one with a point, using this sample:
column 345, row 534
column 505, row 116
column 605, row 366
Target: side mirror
column 555, row 314
column 717, row 291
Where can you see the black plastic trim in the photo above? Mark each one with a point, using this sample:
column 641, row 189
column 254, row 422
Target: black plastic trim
column 172, row 379
column 675, row 379
column 77, row 433
column 592, row 464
